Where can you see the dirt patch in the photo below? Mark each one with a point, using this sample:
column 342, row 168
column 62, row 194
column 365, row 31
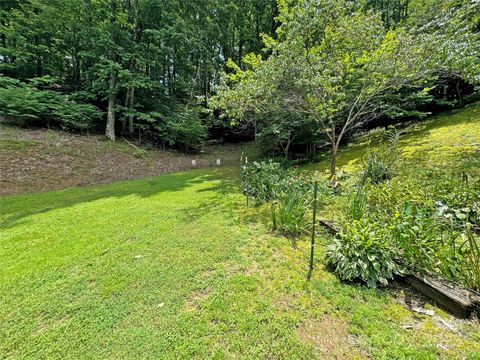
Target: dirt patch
column 330, row 337
column 34, row 160
column 195, row 299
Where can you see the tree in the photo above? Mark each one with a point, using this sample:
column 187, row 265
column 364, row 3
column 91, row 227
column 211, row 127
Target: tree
column 334, row 64
column 135, row 59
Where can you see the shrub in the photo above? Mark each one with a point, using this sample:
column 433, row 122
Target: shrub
column 379, row 163
column 261, row 180
column 75, row 116
column 363, row 251
column 25, row 104
column 183, row 130
column 290, row 194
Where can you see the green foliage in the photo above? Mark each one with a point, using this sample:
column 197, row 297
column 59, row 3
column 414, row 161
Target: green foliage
column 137, row 55
column 27, row 104
column 289, row 192
column 140, row 153
column 183, row 130
column 338, row 67
column 379, row 163
column 293, row 213
column 470, row 263
column 76, row 116
column 356, row 204
column 261, row 180
column 416, row 232
column 428, row 234
column 363, row 252
column 294, row 203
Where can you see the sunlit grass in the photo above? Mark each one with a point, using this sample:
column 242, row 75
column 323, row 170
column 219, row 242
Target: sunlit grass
column 177, row 266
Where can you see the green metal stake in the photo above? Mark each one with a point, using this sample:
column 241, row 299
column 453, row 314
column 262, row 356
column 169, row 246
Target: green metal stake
column 312, row 243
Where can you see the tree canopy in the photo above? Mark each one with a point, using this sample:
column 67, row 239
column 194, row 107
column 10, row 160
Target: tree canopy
column 338, row 67
column 292, row 74
column 141, row 60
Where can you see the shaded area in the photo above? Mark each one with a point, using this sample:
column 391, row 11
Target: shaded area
column 14, row 208
column 34, row 160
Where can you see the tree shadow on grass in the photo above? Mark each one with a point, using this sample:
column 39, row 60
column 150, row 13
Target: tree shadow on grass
column 14, row 209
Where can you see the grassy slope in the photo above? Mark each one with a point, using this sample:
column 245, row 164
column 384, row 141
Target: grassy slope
column 442, row 140
column 177, row 266
column 34, row 160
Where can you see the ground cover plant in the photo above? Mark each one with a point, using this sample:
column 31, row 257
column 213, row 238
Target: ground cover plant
column 176, row 135
column 179, row 266
column 423, row 218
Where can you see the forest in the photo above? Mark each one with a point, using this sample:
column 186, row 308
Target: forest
column 258, row 179
column 159, row 71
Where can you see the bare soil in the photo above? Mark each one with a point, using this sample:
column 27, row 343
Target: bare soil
column 330, row 336
column 33, row 160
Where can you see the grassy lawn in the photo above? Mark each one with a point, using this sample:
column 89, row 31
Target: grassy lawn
column 176, row 266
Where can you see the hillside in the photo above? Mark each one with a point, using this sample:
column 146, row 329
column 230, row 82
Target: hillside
column 448, row 139
column 43, row 159
column 166, row 266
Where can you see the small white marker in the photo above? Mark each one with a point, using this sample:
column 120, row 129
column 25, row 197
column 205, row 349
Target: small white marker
column 194, row 163
column 218, row 162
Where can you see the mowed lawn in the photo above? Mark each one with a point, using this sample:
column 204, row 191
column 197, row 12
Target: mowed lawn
column 177, row 266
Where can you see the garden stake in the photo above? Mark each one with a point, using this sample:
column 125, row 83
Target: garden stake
column 312, row 243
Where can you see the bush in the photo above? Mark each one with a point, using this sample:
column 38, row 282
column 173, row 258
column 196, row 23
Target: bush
column 289, row 193
column 25, row 104
column 362, row 251
column 75, row 116
column 183, row 130
column 261, row 180
column 379, row 163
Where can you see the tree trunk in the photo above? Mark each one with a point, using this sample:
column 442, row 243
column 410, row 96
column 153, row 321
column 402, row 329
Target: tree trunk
column 459, row 94
column 131, row 99
column 333, row 162
column 333, row 152
column 287, row 147
column 112, row 99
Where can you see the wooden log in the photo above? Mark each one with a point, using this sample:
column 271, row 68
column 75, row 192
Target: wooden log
column 452, row 297
column 330, row 226
column 448, row 295
column 132, row 145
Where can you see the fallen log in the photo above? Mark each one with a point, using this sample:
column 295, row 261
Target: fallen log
column 330, row 226
column 132, row 145
column 452, row 297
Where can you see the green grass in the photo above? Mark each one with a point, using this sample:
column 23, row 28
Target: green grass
column 176, row 266
column 16, row 144
column 439, row 140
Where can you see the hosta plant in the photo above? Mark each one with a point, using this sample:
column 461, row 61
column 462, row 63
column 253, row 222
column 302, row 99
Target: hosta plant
column 363, row 252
